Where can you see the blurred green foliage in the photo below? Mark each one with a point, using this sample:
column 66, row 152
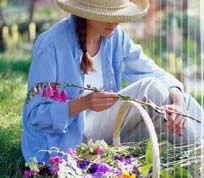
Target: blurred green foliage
column 6, row 3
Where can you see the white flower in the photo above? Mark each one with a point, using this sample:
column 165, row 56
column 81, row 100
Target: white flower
column 69, row 169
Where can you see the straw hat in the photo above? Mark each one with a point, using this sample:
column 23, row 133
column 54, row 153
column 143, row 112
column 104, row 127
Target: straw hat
column 106, row 10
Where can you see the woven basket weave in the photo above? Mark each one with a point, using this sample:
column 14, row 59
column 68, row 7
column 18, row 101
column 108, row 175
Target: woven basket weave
column 150, row 128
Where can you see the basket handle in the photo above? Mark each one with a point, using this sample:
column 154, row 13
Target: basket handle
column 151, row 131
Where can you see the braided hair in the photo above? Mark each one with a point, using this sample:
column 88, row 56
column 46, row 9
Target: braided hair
column 86, row 62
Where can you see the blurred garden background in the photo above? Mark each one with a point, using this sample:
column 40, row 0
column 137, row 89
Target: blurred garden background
column 172, row 34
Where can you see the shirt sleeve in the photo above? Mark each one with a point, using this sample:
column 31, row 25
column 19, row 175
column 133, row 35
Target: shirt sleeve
column 138, row 66
column 43, row 113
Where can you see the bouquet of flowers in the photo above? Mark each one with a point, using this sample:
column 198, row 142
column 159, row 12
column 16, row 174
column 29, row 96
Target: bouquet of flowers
column 99, row 160
column 95, row 160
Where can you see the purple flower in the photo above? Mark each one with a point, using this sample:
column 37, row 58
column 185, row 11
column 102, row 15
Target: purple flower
column 93, row 168
column 124, row 159
column 127, row 160
column 136, row 171
column 117, row 158
column 102, row 168
column 83, row 164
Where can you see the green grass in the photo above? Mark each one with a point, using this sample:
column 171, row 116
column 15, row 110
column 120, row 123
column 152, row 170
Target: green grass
column 14, row 66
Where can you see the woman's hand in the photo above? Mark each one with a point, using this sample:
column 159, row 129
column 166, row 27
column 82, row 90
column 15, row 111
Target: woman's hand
column 99, row 101
column 176, row 123
column 96, row 101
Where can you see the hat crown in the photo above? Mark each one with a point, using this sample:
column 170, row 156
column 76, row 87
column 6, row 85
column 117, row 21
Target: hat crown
column 104, row 3
column 106, row 10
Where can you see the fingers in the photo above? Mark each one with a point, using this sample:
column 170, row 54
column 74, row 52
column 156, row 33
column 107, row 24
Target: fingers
column 176, row 122
column 100, row 107
column 110, row 94
column 99, row 101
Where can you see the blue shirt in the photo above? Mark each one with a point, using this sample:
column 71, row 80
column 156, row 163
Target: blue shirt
column 56, row 58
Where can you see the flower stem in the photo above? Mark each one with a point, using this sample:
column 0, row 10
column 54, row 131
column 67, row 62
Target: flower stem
column 151, row 105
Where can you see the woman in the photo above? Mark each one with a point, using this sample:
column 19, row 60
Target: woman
column 90, row 48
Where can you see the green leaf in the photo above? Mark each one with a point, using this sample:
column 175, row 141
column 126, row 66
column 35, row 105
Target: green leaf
column 32, row 164
column 144, row 170
column 181, row 172
column 123, row 97
column 148, row 160
column 95, row 89
column 165, row 174
column 148, row 155
column 88, row 86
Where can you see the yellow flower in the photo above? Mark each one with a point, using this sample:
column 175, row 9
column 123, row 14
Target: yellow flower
column 126, row 174
column 133, row 176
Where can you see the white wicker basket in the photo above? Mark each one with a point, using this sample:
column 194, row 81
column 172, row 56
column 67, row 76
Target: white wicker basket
column 151, row 131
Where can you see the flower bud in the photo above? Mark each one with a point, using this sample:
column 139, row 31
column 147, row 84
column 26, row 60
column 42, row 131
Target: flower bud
column 45, row 93
column 56, row 94
column 63, row 96
column 39, row 89
column 100, row 150
column 49, row 91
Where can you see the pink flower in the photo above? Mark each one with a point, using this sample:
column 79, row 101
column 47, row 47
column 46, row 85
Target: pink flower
column 45, row 93
column 53, row 93
column 63, row 96
column 54, row 170
column 71, row 151
column 29, row 173
column 49, row 91
column 100, row 150
column 33, row 173
column 56, row 94
column 55, row 160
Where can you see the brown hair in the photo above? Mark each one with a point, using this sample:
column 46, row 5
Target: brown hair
column 86, row 62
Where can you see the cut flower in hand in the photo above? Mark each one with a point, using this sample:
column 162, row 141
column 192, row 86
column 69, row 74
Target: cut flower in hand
column 57, row 92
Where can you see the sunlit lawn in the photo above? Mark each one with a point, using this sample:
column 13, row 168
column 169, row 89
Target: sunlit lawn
column 14, row 66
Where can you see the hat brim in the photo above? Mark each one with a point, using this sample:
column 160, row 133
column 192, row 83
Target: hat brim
column 133, row 11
